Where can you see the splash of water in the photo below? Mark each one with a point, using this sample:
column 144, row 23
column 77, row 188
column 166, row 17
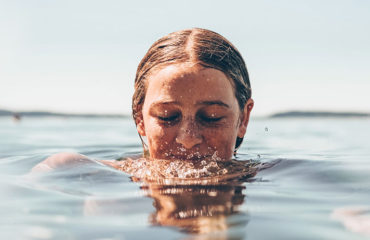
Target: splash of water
column 213, row 170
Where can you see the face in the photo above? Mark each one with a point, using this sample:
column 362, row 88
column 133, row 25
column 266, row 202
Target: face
column 190, row 112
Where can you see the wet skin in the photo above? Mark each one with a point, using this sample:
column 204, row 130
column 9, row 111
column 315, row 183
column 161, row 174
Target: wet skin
column 191, row 112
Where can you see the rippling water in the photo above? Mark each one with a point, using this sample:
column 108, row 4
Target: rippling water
column 318, row 185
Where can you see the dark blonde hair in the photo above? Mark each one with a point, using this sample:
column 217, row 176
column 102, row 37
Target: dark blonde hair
column 200, row 46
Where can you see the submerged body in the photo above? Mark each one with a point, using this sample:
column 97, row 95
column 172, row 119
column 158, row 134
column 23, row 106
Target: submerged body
column 160, row 170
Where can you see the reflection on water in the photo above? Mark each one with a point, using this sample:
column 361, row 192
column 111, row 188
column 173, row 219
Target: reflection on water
column 208, row 210
column 194, row 197
column 197, row 208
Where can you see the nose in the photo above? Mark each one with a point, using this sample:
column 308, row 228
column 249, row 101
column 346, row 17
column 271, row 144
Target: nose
column 189, row 134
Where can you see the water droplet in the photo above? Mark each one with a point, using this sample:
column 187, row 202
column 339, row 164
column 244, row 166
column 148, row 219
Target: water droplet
column 212, row 193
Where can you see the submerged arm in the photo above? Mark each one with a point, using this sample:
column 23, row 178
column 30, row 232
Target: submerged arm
column 61, row 160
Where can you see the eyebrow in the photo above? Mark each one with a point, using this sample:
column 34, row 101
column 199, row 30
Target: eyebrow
column 158, row 103
column 209, row 103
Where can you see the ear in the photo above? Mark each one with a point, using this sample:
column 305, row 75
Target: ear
column 245, row 118
column 140, row 124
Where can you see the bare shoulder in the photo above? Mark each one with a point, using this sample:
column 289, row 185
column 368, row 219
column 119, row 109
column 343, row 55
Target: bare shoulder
column 59, row 160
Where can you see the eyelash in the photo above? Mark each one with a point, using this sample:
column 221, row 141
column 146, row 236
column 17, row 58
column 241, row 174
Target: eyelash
column 168, row 119
column 210, row 119
column 203, row 118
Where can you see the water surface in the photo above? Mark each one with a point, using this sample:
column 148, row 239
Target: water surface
column 322, row 170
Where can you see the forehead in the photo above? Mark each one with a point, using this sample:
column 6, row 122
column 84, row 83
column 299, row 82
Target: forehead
column 189, row 82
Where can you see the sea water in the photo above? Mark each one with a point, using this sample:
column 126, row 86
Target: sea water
column 317, row 185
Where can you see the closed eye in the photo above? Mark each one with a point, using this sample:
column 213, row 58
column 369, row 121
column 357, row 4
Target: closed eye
column 168, row 119
column 208, row 119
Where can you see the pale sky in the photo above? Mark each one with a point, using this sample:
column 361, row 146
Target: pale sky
column 80, row 56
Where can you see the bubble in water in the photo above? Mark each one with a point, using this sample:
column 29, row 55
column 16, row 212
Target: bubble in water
column 215, row 157
column 212, row 193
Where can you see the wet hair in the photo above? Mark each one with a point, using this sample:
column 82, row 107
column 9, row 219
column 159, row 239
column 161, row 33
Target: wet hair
column 199, row 46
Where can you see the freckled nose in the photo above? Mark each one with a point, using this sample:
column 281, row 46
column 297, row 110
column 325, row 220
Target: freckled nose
column 189, row 135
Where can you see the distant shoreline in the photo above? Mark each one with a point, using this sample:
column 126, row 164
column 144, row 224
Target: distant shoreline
column 20, row 114
column 287, row 114
column 316, row 114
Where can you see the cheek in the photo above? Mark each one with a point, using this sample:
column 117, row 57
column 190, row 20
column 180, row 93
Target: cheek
column 222, row 140
column 159, row 138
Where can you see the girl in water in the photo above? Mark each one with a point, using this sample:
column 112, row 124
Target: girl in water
column 192, row 103
column 191, row 106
